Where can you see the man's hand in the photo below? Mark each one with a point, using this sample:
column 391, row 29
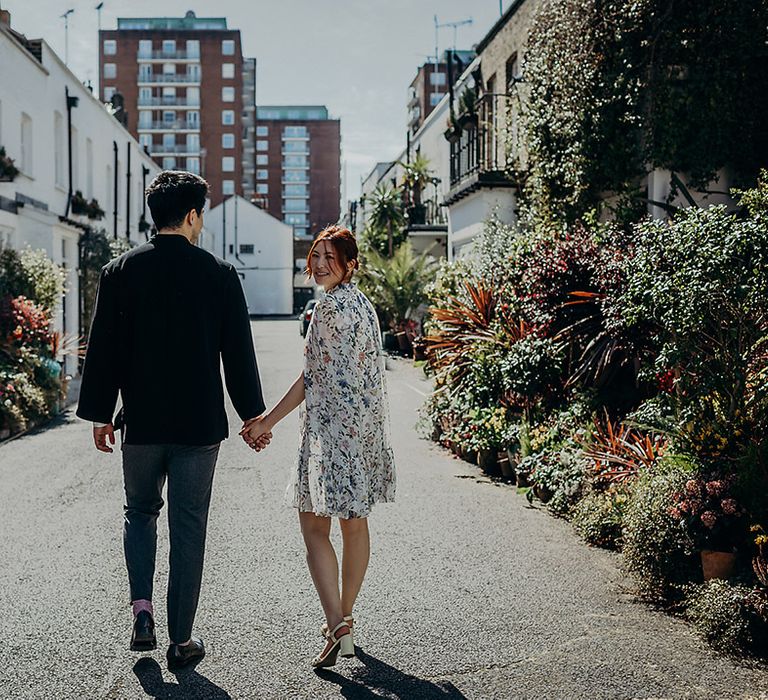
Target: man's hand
column 256, row 433
column 102, row 436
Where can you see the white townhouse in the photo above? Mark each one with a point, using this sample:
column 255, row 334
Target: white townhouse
column 261, row 249
column 63, row 140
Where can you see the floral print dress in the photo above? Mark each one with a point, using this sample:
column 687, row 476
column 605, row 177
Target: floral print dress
column 345, row 462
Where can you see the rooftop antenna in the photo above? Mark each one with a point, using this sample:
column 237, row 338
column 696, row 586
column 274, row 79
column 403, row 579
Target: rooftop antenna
column 65, row 17
column 98, row 12
column 455, row 26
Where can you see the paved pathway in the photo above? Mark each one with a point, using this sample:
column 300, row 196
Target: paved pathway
column 471, row 593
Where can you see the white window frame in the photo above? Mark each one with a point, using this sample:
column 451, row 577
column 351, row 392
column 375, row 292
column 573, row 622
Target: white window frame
column 110, row 47
column 227, row 140
column 227, row 70
column 228, row 117
column 227, row 93
column 227, row 47
column 228, row 187
column 227, row 164
column 110, row 71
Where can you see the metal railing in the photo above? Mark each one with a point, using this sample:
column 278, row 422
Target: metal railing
column 168, row 102
column 167, row 56
column 168, row 78
column 169, row 126
column 158, row 149
column 480, row 147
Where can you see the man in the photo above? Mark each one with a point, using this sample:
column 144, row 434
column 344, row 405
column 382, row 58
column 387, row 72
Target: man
column 167, row 315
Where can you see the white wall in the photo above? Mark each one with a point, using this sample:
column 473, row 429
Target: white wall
column 267, row 273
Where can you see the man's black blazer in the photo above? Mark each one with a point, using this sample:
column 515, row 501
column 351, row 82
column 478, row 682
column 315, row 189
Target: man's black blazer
column 168, row 314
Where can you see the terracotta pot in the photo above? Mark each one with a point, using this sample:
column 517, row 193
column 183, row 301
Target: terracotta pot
column 507, row 469
column 486, row 460
column 523, row 479
column 717, row 564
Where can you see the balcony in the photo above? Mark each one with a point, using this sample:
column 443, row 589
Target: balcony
column 146, row 56
column 295, row 153
column 169, row 126
column 158, row 149
column 303, row 181
column 478, row 155
column 168, row 79
column 169, row 102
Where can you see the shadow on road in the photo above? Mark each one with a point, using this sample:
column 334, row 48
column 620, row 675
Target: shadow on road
column 191, row 686
column 375, row 675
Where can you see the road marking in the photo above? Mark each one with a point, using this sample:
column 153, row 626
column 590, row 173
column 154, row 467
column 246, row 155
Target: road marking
column 416, row 390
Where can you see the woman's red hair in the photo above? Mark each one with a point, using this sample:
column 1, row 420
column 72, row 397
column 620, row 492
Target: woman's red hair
column 344, row 245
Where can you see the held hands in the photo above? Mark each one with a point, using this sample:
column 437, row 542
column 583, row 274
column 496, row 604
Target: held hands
column 256, row 433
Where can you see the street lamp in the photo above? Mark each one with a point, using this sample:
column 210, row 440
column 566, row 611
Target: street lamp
column 65, row 17
column 72, row 102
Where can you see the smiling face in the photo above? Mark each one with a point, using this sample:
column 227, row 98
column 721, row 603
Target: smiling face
column 326, row 267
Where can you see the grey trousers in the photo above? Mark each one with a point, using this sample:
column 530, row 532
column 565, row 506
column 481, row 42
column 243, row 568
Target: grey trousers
column 189, row 471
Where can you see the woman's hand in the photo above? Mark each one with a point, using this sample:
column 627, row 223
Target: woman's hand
column 256, row 433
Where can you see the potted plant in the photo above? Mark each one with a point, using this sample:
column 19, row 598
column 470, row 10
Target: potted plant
column 8, row 170
column 81, row 206
column 452, row 131
column 712, row 518
column 468, row 109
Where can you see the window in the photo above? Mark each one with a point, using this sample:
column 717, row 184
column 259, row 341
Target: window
column 193, row 142
column 512, row 71
column 437, row 79
column 169, row 142
column 246, row 249
column 296, row 147
column 110, row 47
column 299, row 231
column 227, row 94
column 169, row 69
column 295, row 132
column 228, row 47
column 295, row 191
column 145, row 48
column 295, row 162
column 262, row 188
column 193, row 97
column 227, row 140
column 262, row 160
column 193, row 71
column 193, row 120
column 169, row 117
column 262, row 174
column 110, row 70
column 227, row 117
column 193, row 165
column 146, row 141
column 58, row 148
column 294, row 205
column 296, row 219
column 108, row 93
column 228, row 187
column 145, row 119
column 145, row 95
column 193, row 48
column 169, row 163
column 145, row 71
column 169, row 46
column 169, row 95
column 262, row 131
column 262, row 145
column 227, row 70
column 435, row 98
column 228, row 164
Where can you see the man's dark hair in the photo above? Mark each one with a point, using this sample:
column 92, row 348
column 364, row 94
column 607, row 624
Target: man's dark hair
column 172, row 195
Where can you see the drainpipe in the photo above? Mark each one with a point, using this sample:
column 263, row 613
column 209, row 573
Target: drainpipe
column 237, row 247
column 71, row 102
column 224, row 229
column 128, row 193
column 114, row 192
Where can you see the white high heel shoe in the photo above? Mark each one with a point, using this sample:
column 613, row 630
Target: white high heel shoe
column 338, row 643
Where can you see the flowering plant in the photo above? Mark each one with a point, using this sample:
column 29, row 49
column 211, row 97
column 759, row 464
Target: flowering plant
column 707, row 511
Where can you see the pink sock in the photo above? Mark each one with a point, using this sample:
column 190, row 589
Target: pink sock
column 139, row 605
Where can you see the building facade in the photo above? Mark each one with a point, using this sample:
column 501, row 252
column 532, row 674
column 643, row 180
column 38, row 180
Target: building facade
column 43, row 108
column 298, row 169
column 181, row 82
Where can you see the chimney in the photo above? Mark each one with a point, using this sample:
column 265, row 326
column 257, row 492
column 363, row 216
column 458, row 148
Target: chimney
column 5, row 18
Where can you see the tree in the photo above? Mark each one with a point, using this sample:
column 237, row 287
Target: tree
column 387, row 212
column 416, row 176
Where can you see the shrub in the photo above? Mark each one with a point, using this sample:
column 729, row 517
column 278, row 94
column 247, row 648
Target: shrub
column 655, row 548
column 717, row 609
column 561, row 475
column 599, row 517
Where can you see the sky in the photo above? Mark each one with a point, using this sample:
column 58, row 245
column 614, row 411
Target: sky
column 357, row 57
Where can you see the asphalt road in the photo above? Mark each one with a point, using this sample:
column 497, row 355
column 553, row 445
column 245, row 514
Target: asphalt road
column 471, row 593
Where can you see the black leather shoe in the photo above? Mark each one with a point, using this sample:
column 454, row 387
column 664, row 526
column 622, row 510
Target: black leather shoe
column 179, row 656
column 143, row 637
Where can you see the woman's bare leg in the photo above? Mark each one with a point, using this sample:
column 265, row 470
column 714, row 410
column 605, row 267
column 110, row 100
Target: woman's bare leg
column 354, row 562
column 323, row 565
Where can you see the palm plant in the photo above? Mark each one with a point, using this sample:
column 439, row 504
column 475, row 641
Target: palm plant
column 397, row 285
column 386, row 211
column 416, row 176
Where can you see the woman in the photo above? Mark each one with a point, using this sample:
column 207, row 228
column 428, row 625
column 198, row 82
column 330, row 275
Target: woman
column 345, row 460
